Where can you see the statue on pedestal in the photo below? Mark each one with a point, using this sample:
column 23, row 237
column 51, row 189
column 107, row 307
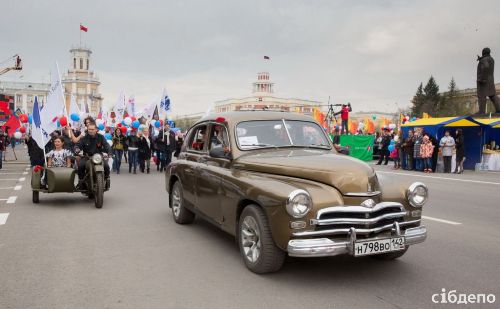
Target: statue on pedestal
column 485, row 82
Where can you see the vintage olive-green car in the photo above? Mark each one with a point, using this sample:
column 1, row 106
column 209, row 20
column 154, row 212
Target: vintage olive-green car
column 275, row 181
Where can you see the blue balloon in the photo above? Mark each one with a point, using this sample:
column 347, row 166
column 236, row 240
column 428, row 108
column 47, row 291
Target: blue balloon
column 157, row 124
column 124, row 124
column 58, row 123
column 108, row 136
column 392, row 142
column 391, row 148
column 30, row 119
column 75, row 117
column 101, row 126
column 136, row 124
column 414, row 118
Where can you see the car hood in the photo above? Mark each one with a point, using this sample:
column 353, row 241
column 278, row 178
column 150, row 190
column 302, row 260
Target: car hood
column 345, row 173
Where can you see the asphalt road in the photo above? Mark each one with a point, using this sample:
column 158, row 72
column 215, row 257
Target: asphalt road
column 64, row 253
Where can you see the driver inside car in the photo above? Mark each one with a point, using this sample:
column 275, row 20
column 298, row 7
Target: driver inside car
column 91, row 144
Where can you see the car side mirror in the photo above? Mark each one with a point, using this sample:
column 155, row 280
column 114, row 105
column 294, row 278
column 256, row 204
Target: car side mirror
column 219, row 153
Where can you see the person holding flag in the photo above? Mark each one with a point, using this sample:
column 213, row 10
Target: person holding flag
column 35, row 141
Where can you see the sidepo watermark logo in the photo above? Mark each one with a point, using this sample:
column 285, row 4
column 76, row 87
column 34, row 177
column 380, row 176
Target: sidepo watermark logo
column 452, row 297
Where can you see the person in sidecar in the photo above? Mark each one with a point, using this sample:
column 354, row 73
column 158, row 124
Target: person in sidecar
column 91, row 144
column 59, row 156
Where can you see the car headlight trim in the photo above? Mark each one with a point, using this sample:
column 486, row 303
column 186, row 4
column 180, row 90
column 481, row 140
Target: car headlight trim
column 97, row 158
column 417, row 194
column 299, row 203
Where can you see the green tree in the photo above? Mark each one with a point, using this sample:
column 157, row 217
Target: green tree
column 418, row 101
column 432, row 98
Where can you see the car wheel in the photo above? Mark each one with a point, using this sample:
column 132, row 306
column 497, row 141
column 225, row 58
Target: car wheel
column 257, row 247
column 181, row 214
column 390, row 255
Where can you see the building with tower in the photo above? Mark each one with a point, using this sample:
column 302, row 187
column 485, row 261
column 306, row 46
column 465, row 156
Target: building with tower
column 264, row 98
column 81, row 81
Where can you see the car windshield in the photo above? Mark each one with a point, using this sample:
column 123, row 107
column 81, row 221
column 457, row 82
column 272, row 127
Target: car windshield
column 280, row 133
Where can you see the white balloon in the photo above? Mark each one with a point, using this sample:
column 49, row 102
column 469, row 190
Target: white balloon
column 18, row 135
column 361, row 125
column 127, row 120
column 102, row 132
column 110, row 142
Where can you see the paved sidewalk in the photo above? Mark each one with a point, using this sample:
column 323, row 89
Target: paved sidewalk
column 21, row 152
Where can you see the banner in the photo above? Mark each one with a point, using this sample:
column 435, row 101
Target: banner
column 55, row 105
column 131, row 106
column 119, row 108
column 360, row 146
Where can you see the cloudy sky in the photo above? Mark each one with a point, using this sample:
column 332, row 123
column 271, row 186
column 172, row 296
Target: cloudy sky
column 370, row 53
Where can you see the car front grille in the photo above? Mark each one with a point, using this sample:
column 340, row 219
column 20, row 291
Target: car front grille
column 339, row 220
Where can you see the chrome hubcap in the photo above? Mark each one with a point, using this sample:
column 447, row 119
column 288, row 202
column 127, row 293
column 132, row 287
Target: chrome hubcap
column 176, row 201
column 250, row 239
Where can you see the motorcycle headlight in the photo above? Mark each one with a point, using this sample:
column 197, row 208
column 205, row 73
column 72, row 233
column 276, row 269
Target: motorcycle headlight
column 97, row 158
column 298, row 204
column 417, row 194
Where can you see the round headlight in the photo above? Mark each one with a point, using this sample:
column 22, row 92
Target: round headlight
column 417, row 194
column 97, row 158
column 298, row 204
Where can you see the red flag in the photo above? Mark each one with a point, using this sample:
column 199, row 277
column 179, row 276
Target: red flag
column 4, row 107
column 13, row 124
column 83, row 28
column 266, row 58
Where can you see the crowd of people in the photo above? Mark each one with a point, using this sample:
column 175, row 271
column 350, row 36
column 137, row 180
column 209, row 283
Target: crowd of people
column 419, row 151
column 137, row 148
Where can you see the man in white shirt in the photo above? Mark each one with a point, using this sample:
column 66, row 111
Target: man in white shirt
column 447, row 143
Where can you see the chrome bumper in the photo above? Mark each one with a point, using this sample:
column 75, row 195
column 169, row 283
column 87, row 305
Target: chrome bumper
column 326, row 247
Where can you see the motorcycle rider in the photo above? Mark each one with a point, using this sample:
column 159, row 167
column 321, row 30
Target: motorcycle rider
column 91, row 144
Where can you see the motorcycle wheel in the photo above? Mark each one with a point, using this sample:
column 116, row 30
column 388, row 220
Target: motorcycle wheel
column 36, row 197
column 99, row 190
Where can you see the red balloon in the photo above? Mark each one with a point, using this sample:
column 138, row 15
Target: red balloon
column 119, row 125
column 63, row 121
column 23, row 118
column 123, row 129
column 133, row 118
column 22, row 130
column 162, row 122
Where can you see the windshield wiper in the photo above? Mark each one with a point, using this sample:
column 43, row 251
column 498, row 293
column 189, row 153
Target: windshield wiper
column 258, row 145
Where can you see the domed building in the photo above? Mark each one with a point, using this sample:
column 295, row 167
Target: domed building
column 263, row 98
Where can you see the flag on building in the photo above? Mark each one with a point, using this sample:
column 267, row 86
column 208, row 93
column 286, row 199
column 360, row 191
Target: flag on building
column 36, row 128
column 55, row 105
column 83, row 28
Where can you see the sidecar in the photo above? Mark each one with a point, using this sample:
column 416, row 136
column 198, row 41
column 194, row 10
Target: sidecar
column 57, row 179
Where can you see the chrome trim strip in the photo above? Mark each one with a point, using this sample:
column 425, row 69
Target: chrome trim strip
column 357, row 221
column 326, row 247
column 359, row 209
column 362, row 194
column 358, row 231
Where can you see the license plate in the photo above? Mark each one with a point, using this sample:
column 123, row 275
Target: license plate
column 368, row 247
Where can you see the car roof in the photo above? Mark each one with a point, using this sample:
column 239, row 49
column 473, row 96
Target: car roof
column 235, row 117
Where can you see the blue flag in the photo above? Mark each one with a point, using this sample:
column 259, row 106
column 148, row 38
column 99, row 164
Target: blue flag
column 36, row 130
column 165, row 103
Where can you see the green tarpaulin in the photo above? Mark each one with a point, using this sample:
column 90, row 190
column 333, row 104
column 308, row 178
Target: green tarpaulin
column 360, row 146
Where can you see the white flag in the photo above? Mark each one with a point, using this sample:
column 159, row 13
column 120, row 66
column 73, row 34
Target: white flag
column 73, row 107
column 131, row 106
column 119, row 107
column 165, row 106
column 55, row 105
column 150, row 109
column 36, row 129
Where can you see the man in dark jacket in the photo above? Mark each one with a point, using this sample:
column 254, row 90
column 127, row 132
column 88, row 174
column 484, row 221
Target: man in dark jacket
column 2, row 146
column 408, row 147
column 485, row 82
column 384, row 151
column 91, row 144
column 165, row 143
column 133, row 151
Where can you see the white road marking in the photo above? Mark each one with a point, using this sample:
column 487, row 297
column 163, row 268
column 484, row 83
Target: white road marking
column 11, row 199
column 6, row 188
column 18, row 187
column 27, row 168
column 12, row 173
column 441, row 220
column 10, row 179
column 3, row 218
column 22, row 179
column 445, row 178
column 25, row 173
